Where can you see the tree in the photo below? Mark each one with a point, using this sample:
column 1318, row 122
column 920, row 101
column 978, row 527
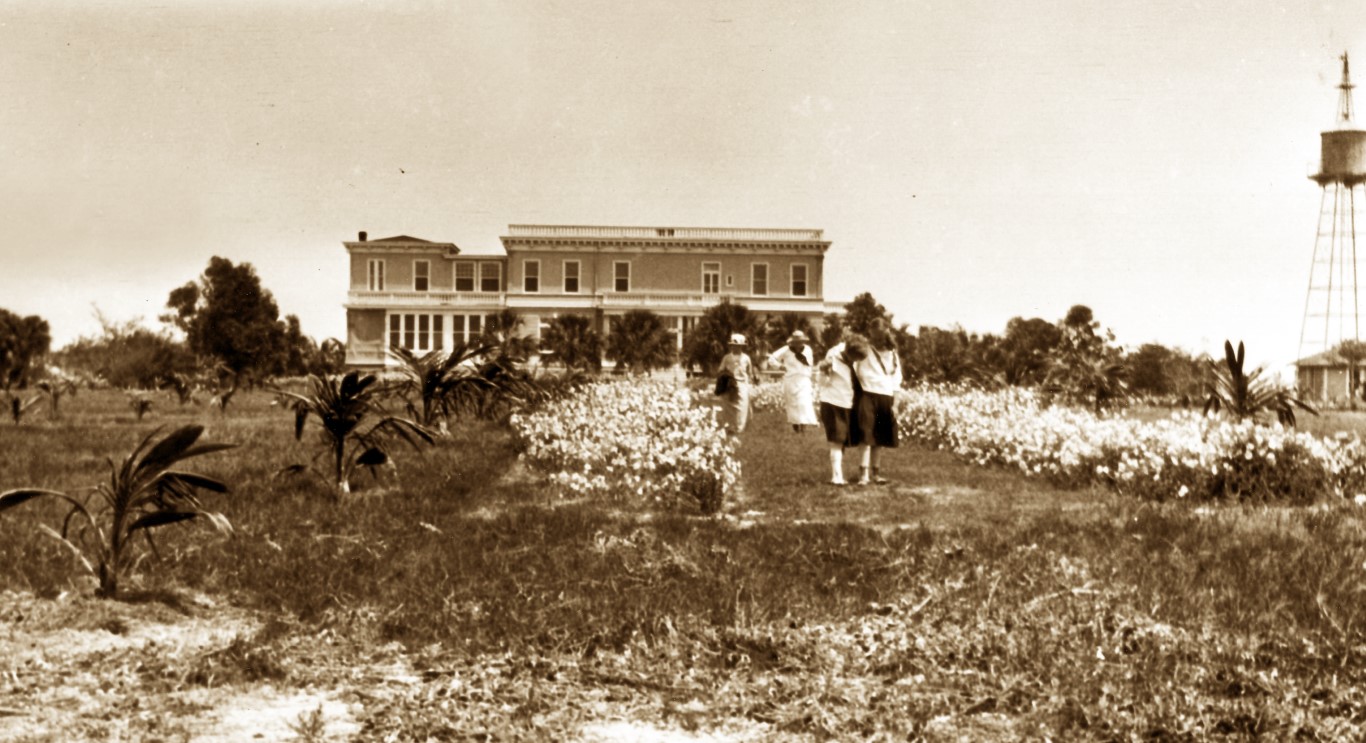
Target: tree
column 127, row 355
column 860, row 314
column 297, row 350
column 227, row 315
column 574, row 342
column 1085, row 367
column 778, row 328
column 1021, row 356
column 706, row 343
column 1243, row 395
column 500, row 334
column 942, row 356
column 639, row 342
column 1353, row 352
column 832, row 332
column 23, row 343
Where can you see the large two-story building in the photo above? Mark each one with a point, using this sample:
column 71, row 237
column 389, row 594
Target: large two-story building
column 425, row 295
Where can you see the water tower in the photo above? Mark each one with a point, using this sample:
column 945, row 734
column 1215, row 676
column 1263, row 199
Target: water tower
column 1330, row 306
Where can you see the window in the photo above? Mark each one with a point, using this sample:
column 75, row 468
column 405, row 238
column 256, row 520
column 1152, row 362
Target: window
column 799, row 279
column 490, row 277
column 464, row 276
column 466, row 328
column 416, row 332
column 374, row 274
column 422, row 273
column 711, row 278
column 621, row 276
column 758, row 279
column 571, row 277
column 531, row 276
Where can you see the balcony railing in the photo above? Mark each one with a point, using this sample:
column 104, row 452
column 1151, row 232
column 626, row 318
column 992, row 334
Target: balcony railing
column 413, row 299
column 675, row 233
column 618, row 300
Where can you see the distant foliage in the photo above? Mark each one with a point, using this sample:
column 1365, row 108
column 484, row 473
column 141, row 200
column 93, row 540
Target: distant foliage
column 24, row 341
column 127, row 355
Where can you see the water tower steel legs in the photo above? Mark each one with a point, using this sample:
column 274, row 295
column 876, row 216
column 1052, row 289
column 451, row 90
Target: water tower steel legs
column 1333, row 277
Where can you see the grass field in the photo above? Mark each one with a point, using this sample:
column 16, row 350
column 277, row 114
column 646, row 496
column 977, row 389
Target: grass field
column 458, row 601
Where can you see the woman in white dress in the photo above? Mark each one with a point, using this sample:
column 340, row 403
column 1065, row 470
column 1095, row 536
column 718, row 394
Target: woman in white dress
column 797, row 363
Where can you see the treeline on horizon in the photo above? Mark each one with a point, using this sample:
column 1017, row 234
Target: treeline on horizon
column 226, row 324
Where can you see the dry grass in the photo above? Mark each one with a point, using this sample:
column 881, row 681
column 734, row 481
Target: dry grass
column 956, row 603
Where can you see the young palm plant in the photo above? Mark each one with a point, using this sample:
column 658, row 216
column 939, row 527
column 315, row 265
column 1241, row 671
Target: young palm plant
column 18, row 406
column 143, row 493
column 343, row 408
column 431, row 381
column 54, row 389
column 1243, row 395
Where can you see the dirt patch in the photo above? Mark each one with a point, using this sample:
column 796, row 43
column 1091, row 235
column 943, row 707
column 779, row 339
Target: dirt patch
column 80, row 668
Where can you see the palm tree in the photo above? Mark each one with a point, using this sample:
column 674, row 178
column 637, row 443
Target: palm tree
column 574, row 342
column 640, row 342
column 143, row 493
column 342, row 408
column 1243, row 395
column 500, row 333
column 706, row 343
column 778, row 328
column 431, row 380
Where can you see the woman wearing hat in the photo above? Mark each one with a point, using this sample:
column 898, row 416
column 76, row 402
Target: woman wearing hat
column 737, row 365
column 796, row 361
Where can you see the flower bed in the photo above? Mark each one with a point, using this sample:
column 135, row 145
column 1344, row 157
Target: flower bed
column 642, row 440
column 1183, row 456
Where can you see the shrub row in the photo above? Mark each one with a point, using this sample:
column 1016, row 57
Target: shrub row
column 1185, row 455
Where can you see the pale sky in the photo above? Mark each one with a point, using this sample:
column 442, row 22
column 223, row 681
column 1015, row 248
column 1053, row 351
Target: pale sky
column 970, row 161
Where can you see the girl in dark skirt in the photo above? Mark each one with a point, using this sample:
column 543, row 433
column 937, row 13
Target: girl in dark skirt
column 879, row 376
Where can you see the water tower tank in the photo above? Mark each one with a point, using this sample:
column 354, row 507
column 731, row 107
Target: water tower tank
column 1344, row 156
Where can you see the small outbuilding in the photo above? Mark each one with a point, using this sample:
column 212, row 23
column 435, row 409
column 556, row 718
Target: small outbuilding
column 1326, row 378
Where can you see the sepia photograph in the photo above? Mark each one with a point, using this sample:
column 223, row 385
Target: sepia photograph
column 682, row 371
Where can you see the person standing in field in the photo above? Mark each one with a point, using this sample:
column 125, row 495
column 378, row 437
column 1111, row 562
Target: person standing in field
column 797, row 363
column 737, row 365
column 838, row 397
column 879, row 375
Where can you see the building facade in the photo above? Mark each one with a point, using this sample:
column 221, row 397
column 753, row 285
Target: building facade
column 427, row 296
